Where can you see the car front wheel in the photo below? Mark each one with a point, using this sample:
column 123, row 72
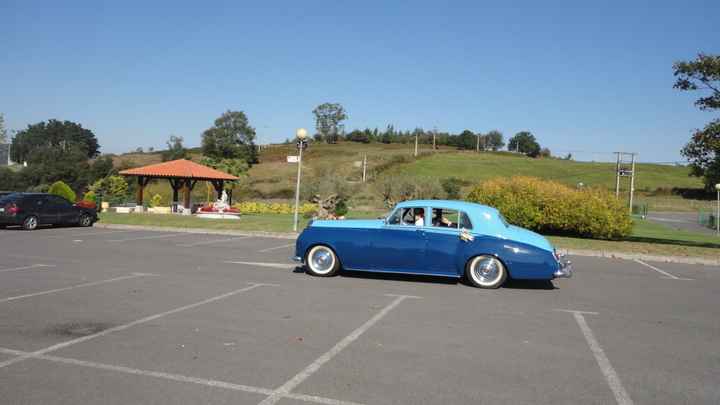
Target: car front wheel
column 30, row 223
column 486, row 272
column 321, row 261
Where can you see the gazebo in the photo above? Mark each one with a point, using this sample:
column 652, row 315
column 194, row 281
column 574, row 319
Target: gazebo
column 182, row 174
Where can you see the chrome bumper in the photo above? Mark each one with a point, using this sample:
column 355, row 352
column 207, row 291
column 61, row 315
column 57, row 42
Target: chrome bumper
column 297, row 259
column 566, row 268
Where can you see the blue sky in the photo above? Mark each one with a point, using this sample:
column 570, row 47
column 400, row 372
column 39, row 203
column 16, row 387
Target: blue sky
column 587, row 77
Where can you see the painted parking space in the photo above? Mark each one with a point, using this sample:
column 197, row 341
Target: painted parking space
column 201, row 325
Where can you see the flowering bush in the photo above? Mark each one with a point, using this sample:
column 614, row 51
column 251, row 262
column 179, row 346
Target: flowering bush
column 252, row 207
column 86, row 204
column 552, row 207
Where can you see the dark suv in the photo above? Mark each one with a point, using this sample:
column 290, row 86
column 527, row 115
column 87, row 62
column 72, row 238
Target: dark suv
column 32, row 209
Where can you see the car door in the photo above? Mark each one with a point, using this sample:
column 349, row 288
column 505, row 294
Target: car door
column 44, row 209
column 399, row 245
column 65, row 212
column 444, row 245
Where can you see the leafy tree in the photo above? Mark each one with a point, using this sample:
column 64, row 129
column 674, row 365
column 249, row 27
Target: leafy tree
column 175, row 150
column 466, row 140
column 494, row 140
column 231, row 137
column 328, row 121
column 53, row 135
column 61, row 189
column 111, row 187
column 236, row 167
column 703, row 150
column 3, row 130
column 545, row 153
column 524, row 142
column 700, row 74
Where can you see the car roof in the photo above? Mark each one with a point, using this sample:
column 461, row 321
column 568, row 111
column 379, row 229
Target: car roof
column 450, row 204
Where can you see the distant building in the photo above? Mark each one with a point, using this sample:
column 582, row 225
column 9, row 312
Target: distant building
column 5, row 154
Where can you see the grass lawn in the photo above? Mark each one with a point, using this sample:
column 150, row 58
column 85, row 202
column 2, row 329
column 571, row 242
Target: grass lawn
column 647, row 237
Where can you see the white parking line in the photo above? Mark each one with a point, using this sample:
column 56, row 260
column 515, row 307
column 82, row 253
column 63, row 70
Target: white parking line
column 72, row 287
column 285, row 266
column 170, row 235
column 34, row 266
column 665, row 273
column 276, row 247
column 303, row 375
column 208, row 242
column 101, row 233
column 173, row 377
column 128, row 325
column 621, row 396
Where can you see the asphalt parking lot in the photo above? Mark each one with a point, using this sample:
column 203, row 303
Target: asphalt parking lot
column 119, row 317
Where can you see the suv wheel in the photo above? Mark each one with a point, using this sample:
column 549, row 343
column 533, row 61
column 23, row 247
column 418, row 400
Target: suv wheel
column 30, row 223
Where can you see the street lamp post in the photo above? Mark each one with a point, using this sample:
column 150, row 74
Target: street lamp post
column 717, row 214
column 301, row 134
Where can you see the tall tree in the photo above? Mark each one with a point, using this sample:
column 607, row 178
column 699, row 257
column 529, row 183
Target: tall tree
column 3, row 130
column 328, row 121
column 494, row 140
column 53, row 135
column 231, row 137
column 703, row 150
column 524, row 142
column 466, row 140
column 175, row 149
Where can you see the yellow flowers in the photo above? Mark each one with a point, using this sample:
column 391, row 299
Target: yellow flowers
column 552, row 207
column 252, row 207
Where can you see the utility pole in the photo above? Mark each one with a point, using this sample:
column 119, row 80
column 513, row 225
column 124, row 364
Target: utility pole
column 434, row 134
column 364, row 167
column 477, row 147
column 416, row 143
column 625, row 168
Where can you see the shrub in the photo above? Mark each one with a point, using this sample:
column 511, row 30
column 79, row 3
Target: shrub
column 90, row 196
column 251, row 207
column 341, row 209
column 63, row 190
column 453, row 186
column 551, row 207
column 111, row 187
column 156, row 200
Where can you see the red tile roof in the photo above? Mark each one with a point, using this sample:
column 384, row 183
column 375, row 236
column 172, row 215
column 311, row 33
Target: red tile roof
column 181, row 168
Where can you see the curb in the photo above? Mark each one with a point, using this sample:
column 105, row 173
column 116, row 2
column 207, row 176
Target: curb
column 203, row 231
column 642, row 256
column 292, row 236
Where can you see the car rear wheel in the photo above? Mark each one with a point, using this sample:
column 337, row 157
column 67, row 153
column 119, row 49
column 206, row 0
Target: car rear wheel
column 85, row 220
column 30, row 223
column 321, row 261
column 486, row 272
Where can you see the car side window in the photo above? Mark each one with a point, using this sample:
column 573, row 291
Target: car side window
column 465, row 221
column 445, row 218
column 408, row 216
column 58, row 201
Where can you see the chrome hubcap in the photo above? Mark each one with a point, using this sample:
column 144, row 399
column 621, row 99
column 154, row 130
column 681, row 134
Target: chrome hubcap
column 322, row 260
column 31, row 223
column 486, row 270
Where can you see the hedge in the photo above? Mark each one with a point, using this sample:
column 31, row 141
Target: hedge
column 550, row 207
column 250, row 207
column 63, row 190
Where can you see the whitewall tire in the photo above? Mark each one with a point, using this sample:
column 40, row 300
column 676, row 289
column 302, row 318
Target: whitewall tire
column 322, row 261
column 486, row 271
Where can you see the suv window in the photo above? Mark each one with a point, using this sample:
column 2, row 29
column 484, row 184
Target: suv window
column 57, row 201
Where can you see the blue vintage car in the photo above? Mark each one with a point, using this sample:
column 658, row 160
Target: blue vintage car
column 432, row 237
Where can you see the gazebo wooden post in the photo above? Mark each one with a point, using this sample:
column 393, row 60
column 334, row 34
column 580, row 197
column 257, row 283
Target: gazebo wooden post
column 189, row 185
column 175, row 184
column 218, row 184
column 142, row 182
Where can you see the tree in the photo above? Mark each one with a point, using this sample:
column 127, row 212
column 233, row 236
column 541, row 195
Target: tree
column 53, row 135
column 524, row 142
column 3, row 130
column 703, row 150
column 236, row 167
column 700, row 74
column 545, row 153
column 466, row 140
column 494, row 140
column 328, row 121
column 175, row 149
column 231, row 137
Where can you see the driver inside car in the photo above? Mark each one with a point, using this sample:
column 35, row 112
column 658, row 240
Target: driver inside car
column 441, row 221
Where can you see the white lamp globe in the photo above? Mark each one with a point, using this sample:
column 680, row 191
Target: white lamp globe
column 301, row 133
column 717, row 187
